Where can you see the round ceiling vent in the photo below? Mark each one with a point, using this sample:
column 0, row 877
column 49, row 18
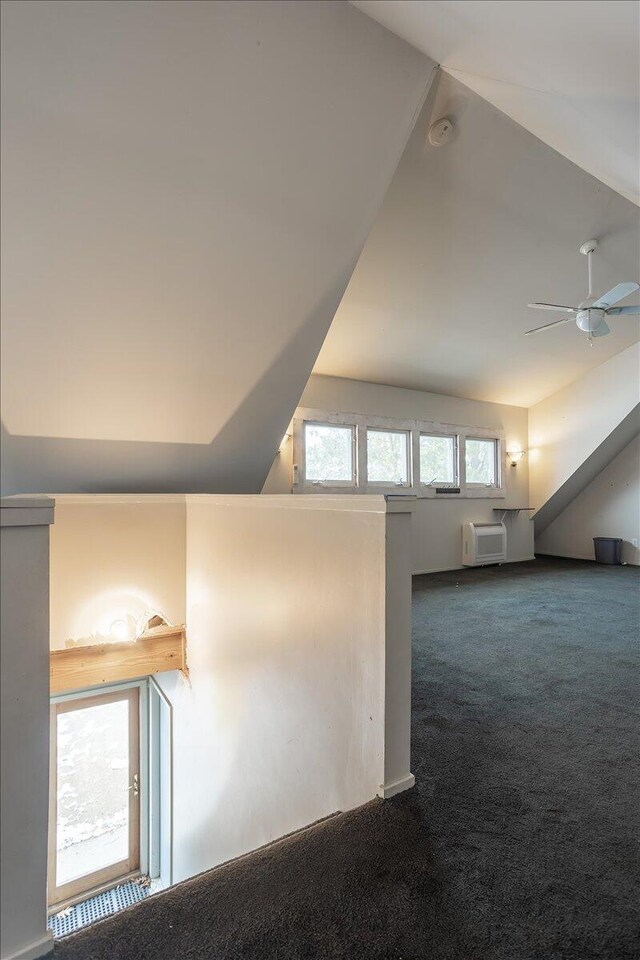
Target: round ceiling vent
column 440, row 131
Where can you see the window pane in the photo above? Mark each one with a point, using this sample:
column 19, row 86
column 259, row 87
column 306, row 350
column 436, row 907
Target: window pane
column 387, row 456
column 328, row 453
column 437, row 459
column 481, row 461
column 93, row 796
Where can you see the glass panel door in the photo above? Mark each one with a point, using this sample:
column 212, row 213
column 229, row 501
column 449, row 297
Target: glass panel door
column 94, row 830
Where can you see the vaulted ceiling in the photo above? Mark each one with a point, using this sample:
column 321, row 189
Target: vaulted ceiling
column 186, row 189
column 567, row 71
column 188, row 186
column 469, row 233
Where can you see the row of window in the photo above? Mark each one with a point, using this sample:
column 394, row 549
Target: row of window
column 329, row 457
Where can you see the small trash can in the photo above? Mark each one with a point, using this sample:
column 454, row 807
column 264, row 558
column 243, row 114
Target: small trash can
column 608, row 549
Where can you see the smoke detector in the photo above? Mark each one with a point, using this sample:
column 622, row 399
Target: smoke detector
column 440, row 131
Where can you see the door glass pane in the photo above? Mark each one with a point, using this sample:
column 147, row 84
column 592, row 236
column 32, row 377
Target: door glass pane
column 328, row 453
column 481, row 461
column 93, row 795
column 387, row 460
column 437, row 459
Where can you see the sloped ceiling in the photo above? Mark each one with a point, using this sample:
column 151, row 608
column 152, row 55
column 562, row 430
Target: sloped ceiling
column 565, row 70
column 469, row 233
column 186, row 189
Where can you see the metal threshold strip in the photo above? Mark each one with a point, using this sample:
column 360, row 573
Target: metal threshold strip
column 95, row 908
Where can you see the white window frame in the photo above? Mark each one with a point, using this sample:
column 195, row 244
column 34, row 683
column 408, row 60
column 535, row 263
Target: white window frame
column 299, row 455
column 155, row 783
column 448, row 435
column 148, row 839
column 486, row 489
column 385, row 485
column 361, row 423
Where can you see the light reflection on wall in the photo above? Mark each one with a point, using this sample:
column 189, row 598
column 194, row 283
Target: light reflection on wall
column 110, row 617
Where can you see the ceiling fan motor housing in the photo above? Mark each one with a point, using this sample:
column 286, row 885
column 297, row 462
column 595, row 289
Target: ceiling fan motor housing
column 589, row 319
column 591, row 314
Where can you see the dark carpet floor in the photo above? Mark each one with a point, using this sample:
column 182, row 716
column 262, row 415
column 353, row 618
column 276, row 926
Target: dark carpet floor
column 520, row 840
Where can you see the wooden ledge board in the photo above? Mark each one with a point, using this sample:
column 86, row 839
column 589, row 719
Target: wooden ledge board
column 75, row 668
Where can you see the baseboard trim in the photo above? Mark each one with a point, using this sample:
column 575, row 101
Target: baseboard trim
column 566, row 556
column 423, row 573
column 249, row 853
column 387, row 790
column 34, row 950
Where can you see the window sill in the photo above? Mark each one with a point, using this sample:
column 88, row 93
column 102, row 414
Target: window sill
column 485, row 493
column 422, row 492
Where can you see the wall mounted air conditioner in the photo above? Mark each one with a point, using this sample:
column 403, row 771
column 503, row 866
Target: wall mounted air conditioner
column 483, row 543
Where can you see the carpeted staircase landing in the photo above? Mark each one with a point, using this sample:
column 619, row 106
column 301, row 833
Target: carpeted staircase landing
column 520, row 840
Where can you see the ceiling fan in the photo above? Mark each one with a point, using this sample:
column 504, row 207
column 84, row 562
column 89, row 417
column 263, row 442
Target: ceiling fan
column 590, row 314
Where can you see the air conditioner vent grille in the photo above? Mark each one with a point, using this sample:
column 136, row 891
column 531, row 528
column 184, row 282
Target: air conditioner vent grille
column 483, row 543
column 490, row 545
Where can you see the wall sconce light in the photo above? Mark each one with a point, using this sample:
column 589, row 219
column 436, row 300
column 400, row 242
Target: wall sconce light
column 127, row 628
column 119, row 630
column 284, row 442
column 515, row 456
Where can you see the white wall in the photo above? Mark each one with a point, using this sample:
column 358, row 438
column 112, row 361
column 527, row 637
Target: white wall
column 398, row 618
column 115, row 558
column 187, row 186
column 608, row 507
column 281, row 721
column 436, row 524
column 298, row 614
column 567, row 427
column 24, row 727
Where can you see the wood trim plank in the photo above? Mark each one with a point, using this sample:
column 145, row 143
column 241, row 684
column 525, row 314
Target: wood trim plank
column 76, row 668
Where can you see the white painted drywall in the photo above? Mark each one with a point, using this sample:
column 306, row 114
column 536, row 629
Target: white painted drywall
column 519, row 57
column 24, row 727
column 397, row 683
column 469, row 233
column 608, row 507
column 115, row 558
column 571, row 424
column 187, row 186
column 436, row 524
column 281, row 720
column 298, row 614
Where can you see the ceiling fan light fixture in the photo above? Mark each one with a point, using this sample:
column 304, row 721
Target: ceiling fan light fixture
column 590, row 319
column 591, row 314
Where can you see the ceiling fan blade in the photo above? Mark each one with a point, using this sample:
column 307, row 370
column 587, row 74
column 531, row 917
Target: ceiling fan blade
column 617, row 293
column 550, row 306
column 547, row 326
column 616, row 311
column 601, row 330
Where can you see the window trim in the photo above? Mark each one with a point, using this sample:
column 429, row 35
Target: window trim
column 299, row 448
column 456, row 458
column 87, row 885
column 474, row 484
column 360, row 423
column 386, row 484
